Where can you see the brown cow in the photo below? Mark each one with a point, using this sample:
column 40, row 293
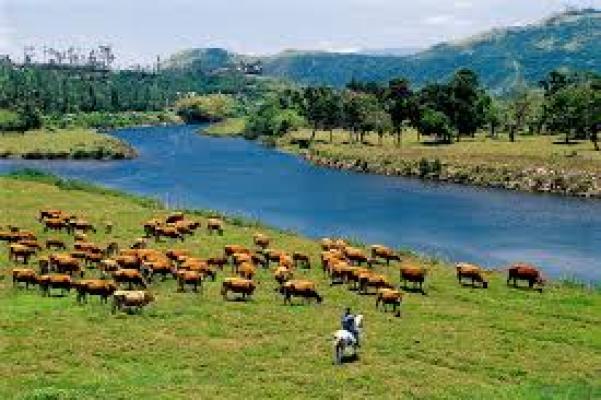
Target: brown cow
column 355, row 255
column 19, row 251
column 32, row 244
column 215, row 225
column 128, row 261
column 94, row 287
column 300, row 288
column 261, row 240
column 339, row 271
column 525, row 272
column 168, row 232
column 66, row 264
column 231, row 249
column 131, row 299
column 56, row 244
column 174, row 217
column 44, row 265
column 416, row 275
column 389, row 296
column 81, row 225
column 370, row 279
column 242, row 286
column 247, row 270
column 282, row 275
column 217, row 262
column 131, row 277
column 157, row 266
column 354, row 274
column 50, row 214
column 176, row 254
column 301, row 258
column 47, row 282
column 200, row 266
column 473, row 272
column 139, row 243
column 193, row 278
column 24, row 275
column 55, row 224
column 386, row 253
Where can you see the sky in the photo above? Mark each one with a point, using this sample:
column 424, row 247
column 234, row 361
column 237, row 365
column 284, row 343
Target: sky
column 140, row 30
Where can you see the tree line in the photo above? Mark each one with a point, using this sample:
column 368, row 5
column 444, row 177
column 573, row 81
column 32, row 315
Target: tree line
column 567, row 103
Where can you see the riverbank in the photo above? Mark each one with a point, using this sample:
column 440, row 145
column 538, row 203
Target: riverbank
column 75, row 144
column 532, row 164
column 229, row 127
column 109, row 121
column 456, row 342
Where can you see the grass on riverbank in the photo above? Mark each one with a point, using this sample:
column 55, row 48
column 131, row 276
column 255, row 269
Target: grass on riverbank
column 62, row 144
column 456, row 342
column 526, row 152
column 227, row 127
column 108, row 120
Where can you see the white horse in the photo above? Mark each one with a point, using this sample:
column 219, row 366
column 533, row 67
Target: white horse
column 344, row 339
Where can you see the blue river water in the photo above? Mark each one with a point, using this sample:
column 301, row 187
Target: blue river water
column 491, row 227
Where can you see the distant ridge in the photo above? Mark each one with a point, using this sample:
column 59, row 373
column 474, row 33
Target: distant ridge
column 569, row 40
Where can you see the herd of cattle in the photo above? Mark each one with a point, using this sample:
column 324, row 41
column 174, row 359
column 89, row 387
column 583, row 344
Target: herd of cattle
column 125, row 275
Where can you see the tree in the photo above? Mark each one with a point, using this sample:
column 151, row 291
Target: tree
column 433, row 122
column 209, row 108
column 467, row 100
column 317, row 103
column 399, row 105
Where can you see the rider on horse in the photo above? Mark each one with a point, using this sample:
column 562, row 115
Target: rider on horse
column 348, row 324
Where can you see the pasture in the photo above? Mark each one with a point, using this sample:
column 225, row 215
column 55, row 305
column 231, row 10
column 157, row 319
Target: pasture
column 525, row 152
column 453, row 342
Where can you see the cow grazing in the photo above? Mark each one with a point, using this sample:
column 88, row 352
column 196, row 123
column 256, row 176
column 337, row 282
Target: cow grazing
column 247, row 270
column 416, row 275
column 55, row 244
column 301, row 259
column 48, row 282
column 372, row 280
column 241, row 286
column 261, row 240
column 174, row 217
column 168, row 232
column 387, row 297
column 20, row 252
column 282, row 275
column 81, row 225
column 66, row 264
column 55, row 224
column 32, row 244
column 128, row 261
column 300, row 288
column 473, row 272
column 158, row 266
column 231, row 249
column 50, row 214
column 193, row 278
column 131, row 299
column 215, row 225
column 94, row 287
column 24, row 275
column 355, row 255
column 217, row 262
column 525, row 272
column 383, row 252
column 131, row 277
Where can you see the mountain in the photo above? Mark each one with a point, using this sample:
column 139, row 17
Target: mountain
column 392, row 51
column 501, row 57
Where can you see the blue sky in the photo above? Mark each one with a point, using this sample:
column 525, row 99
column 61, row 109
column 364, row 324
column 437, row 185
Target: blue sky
column 141, row 29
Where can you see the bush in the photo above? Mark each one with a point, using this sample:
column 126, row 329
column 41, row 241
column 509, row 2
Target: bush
column 209, row 108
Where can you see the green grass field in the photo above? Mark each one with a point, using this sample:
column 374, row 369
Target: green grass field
column 68, row 143
column 227, row 127
column 455, row 342
column 526, row 152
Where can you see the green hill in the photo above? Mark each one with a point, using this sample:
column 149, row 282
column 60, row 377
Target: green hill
column 569, row 40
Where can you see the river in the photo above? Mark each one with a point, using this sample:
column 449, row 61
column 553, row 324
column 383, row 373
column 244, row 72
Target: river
column 491, row 227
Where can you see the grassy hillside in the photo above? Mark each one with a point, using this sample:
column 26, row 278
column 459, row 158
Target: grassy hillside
column 67, row 143
column 502, row 56
column 455, row 342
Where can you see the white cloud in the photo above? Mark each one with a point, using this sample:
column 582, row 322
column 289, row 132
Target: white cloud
column 463, row 4
column 440, row 19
